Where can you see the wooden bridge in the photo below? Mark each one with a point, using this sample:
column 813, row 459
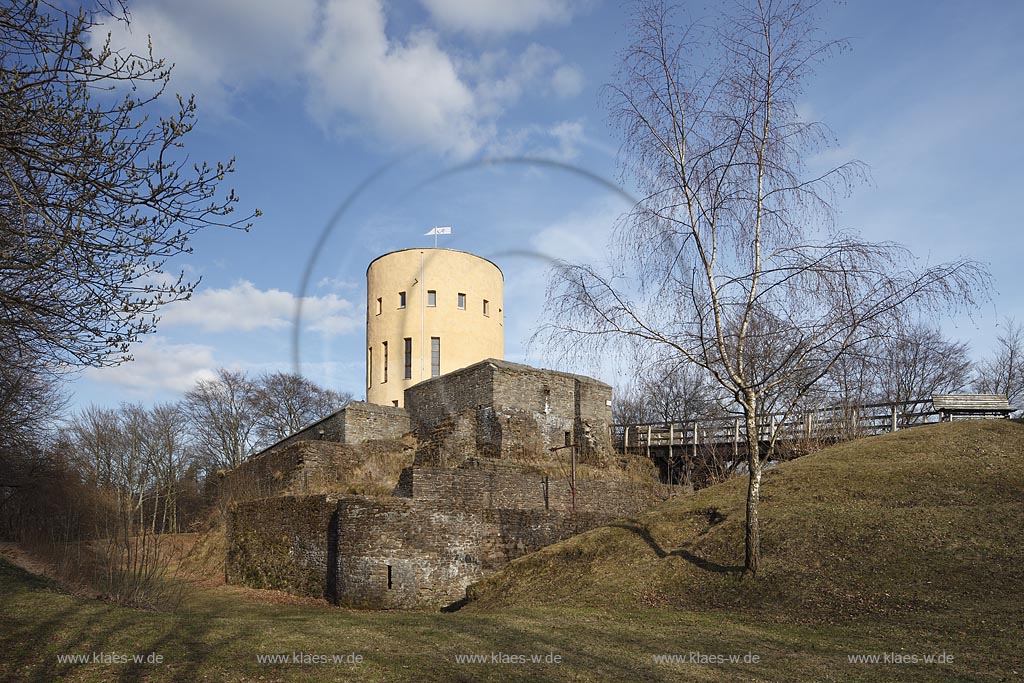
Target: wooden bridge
column 816, row 425
column 697, row 452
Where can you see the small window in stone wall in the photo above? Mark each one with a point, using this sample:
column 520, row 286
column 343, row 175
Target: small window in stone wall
column 395, row 403
column 462, row 301
column 487, row 307
column 390, row 584
column 369, row 367
column 435, row 356
column 431, row 297
column 401, row 299
column 384, row 347
column 380, row 305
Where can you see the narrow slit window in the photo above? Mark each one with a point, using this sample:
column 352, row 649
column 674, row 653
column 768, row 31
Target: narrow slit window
column 390, row 583
column 462, row 301
column 380, row 305
column 431, row 297
column 487, row 307
column 435, row 356
column 395, row 403
column 369, row 367
column 408, row 357
column 384, row 348
column 401, row 299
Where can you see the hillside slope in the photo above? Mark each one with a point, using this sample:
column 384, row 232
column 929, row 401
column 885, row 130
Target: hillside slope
column 926, row 520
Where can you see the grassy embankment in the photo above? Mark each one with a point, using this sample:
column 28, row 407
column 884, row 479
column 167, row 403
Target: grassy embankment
column 909, row 544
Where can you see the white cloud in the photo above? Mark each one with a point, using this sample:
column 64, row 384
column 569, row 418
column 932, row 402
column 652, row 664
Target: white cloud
column 159, row 365
column 567, row 81
column 244, row 308
column 336, row 284
column 582, row 236
column 503, row 79
column 409, row 92
column 560, row 141
column 354, row 76
column 498, row 16
column 220, row 46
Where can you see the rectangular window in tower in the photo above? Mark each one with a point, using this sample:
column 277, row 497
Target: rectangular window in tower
column 369, row 366
column 431, row 297
column 384, row 348
column 380, row 305
column 401, row 299
column 487, row 307
column 462, row 301
column 408, row 358
column 435, row 356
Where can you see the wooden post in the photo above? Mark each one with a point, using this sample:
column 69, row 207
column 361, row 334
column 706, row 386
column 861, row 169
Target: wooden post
column 736, row 439
column 671, row 436
column 648, row 441
column 572, row 449
column 893, row 418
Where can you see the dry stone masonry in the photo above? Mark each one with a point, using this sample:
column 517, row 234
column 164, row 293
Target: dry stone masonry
column 484, row 488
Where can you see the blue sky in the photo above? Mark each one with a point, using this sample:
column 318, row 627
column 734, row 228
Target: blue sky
column 313, row 97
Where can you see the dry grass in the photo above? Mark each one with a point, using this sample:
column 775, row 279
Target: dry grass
column 923, row 520
column 908, row 543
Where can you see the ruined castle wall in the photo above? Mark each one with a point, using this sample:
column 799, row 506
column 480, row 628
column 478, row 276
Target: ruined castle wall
column 505, row 410
column 553, row 404
column 407, row 553
column 486, row 488
column 358, row 421
column 313, row 467
column 432, row 402
column 383, row 553
column 368, row 421
column 280, row 543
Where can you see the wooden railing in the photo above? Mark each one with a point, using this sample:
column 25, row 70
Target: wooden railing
column 833, row 424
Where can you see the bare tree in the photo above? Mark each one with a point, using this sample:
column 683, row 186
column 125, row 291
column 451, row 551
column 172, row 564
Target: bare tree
column 731, row 260
column 666, row 391
column 222, row 418
column 1003, row 373
column 284, row 403
column 96, row 194
column 916, row 362
column 170, row 457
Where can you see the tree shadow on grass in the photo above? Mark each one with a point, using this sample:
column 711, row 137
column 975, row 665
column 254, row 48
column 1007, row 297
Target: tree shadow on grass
column 682, row 551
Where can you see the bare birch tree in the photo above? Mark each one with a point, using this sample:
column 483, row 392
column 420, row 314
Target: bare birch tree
column 732, row 261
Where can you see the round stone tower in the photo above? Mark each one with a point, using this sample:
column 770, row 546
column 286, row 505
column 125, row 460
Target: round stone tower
column 429, row 312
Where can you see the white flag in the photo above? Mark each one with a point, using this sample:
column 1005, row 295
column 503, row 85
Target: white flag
column 439, row 231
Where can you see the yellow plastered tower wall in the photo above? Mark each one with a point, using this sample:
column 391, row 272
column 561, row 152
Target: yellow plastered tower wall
column 429, row 312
